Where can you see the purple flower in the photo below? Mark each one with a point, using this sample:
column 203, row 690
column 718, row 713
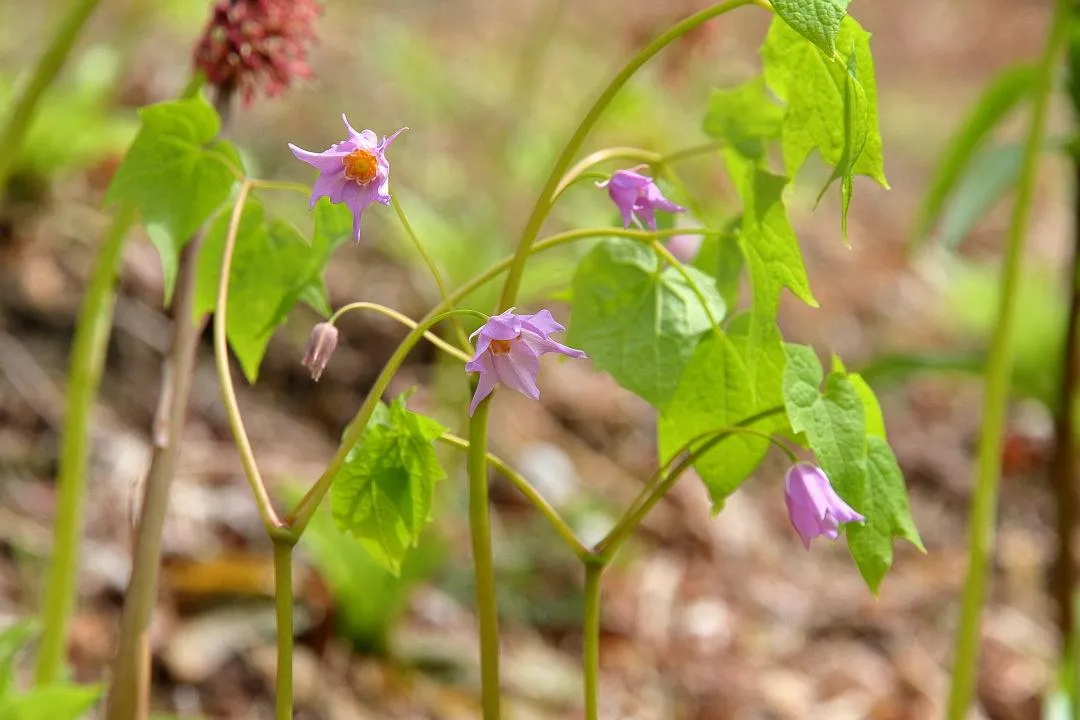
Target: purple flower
column 354, row 171
column 637, row 197
column 509, row 349
column 813, row 506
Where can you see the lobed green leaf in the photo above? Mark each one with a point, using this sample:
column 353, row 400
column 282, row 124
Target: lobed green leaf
column 816, row 20
column 638, row 319
column 383, row 492
column 744, row 117
column 176, row 174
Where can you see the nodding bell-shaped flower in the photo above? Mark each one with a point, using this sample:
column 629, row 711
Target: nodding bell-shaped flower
column 637, row 197
column 354, row 171
column 320, row 346
column 508, row 352
column 813, row 506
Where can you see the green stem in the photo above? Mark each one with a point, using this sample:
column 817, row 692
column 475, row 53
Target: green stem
column 22, row 110
column 658, row 162
column 544, row 201
column 525, row 488
column 487, row 610
column 127, row 693
column 999, row 368
column 664, row 479
column 404, row 320
column 84, row 377
column 221, row 361
column 283, row 606
column 463, row 338
column 594, row 573
column 297, row 521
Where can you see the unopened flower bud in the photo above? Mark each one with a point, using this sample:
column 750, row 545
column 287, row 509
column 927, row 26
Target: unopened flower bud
column 320, row 347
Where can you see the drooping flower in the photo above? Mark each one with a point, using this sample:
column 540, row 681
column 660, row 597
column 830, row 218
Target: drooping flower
column 637, row 197
column 509, row 349
column 813, row 506
column 252, row 45
column 320, row 346
column 354, row 171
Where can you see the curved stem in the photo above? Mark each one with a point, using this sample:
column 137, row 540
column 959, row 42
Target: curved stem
column 999, row 368
column 487, row 610
column 280, row 185
column 594, row 573
column 544, row 201
column 298, row 520
column 531, row 494
column 283, row 611
column 221, row 361
column 404, row 320
column 84, row 378
column 22, row 109
column 664, row 479
column 463, row 339
column 666, row 255
column 655, row 160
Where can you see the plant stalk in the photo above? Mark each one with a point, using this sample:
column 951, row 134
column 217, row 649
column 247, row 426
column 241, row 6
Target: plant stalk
column 487, row 610
column 283, row 605
column 594, row 573
column 999, row 368
column 22, row 110
column 127, row 693
column 85, row 366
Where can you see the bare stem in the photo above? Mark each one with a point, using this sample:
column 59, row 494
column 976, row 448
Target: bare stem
column 487, row 610
column 283, row 605
column 404, row 320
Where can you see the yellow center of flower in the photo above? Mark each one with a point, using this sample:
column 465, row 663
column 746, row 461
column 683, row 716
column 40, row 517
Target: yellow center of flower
column 361, row 166
column 500, row 347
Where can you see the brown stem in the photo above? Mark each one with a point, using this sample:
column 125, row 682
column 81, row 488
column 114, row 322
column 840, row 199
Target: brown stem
column 129, row 691
column 1063, row 465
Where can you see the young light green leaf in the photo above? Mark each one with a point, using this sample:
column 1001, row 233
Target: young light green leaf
column 887, row 515
column 814, row 87
column 175, row 173
column 58, row 701
column 270, row 268
column 637, row 320
column 816, row 20
column 768, row 373
column 744, row 117
column 772, row 253
column 875, row 420
column 715, row 392
column 1004, row 93
column 860, row 466
column 991, row 173
column 383, row 492
column 856, row 130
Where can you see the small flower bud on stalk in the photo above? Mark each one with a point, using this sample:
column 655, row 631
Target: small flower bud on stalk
column 813, row 506
column 320, row 347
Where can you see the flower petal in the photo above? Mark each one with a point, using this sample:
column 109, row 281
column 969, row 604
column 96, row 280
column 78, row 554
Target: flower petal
column 541, row 345
column 542, row 323
column 486, row 383
column 328, row 161
column 329, row 186
column 518, row 369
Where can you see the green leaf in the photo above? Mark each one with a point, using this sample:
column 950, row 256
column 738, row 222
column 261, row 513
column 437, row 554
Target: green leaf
column 990, row 174
column 715, row 392
column 13, row 639
column 856, row 130
column 333, row 228
column 383, row 492
column 638, row 320
column 59, row 701
column 887, row 515
column 875, row 420
column 814, row 87
column 176, row 174
column 860, row 466
column 768, row 372
column 1004, row 93
column 816, row 20
column 721, row 257
column 744, row 117
column 772, row 254
column 270, row 269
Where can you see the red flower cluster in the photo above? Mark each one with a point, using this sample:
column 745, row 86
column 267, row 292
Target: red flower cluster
column 257, row 45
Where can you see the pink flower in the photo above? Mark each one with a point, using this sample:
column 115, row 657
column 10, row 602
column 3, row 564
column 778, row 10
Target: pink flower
column 813, row 506
column 354, row 171
column 637, row 197
column 508, row 352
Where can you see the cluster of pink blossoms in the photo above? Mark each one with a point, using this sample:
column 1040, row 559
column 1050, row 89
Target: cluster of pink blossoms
column 356, row 172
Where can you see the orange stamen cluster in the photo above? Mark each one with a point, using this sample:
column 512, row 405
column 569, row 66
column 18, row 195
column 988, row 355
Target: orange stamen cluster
column 361, row 166
column 500, row 347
